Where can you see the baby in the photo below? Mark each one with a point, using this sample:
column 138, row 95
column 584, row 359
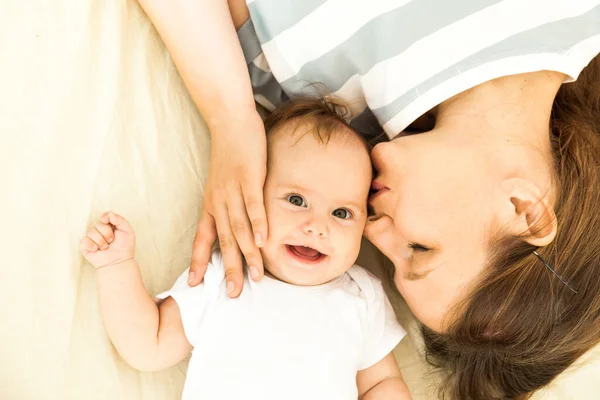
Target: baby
column 315, row 327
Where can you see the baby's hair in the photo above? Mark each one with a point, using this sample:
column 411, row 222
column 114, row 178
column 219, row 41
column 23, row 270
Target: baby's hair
column 324, row 117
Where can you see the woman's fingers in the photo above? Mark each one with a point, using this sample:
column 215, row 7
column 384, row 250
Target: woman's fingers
column 255, row 207
column 242, row 231
column 231, row 253
column 206, row 234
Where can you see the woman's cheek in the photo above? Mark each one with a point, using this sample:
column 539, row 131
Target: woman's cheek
column 379, row 232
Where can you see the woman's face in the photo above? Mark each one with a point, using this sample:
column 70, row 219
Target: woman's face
column 434, row 217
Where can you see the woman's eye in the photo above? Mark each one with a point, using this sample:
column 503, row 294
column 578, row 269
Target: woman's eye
column 418, row 247
column 296, row 200
column 341, row 213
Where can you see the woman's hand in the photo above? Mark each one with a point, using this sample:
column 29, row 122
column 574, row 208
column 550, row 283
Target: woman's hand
column 221, row 89
column 233, row 205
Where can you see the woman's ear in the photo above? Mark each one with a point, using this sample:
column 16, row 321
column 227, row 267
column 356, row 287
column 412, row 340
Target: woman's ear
column 528, row 212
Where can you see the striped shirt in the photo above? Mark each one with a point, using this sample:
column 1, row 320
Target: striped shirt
column 393, row 60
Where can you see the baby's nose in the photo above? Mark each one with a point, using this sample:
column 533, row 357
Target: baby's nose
column 316, row 227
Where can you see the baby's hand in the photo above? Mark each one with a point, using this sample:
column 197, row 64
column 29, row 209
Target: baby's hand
column 110, row 242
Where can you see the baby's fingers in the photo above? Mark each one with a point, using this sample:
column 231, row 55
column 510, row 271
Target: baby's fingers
column 119, row 222
column 104, row 218
column 95, row 236
column 87, row 246
column 106, row 231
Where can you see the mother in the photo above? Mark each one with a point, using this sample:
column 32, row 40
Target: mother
column 489, row 216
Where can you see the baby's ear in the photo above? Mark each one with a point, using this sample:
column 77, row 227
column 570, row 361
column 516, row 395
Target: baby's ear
column 532, row 217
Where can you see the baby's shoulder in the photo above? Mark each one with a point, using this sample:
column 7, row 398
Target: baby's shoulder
column 370, row 286
column 365, row 279
column 214, row 277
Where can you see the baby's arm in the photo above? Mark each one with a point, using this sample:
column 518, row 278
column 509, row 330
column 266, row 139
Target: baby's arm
column 148, row 337
column 382, row 381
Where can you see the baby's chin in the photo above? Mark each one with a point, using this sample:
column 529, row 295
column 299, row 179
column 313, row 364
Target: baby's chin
column 291, row 275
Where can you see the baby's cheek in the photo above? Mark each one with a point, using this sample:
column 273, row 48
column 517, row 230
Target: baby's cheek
column 352, row 245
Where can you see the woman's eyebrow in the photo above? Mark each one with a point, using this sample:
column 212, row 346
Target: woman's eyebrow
column 413, row 276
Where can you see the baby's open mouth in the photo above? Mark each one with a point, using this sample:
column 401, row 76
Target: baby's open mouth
column 306, row 254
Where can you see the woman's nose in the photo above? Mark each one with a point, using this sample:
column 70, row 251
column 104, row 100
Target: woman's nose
column 316, row 227
column 379, row 155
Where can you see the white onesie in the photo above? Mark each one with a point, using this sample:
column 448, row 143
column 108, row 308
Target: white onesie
column 280, row 341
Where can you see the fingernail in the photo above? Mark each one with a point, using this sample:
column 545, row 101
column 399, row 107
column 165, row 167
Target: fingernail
column 254, row 272
column 191, row 277
column 258, row 239
column 230, row 287
column 104, row 246
column 110, row 240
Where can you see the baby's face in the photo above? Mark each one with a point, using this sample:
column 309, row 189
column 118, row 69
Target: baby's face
column 316, row 204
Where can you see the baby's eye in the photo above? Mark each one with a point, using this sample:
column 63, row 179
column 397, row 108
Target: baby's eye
column 342, row 213
column 296, row 200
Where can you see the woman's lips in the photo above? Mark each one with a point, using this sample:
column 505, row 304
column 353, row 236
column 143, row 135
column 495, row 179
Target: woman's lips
column 377, row 186
column 377, row 189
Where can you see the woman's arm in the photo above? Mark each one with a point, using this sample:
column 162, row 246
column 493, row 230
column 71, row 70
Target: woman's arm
column 203, row 43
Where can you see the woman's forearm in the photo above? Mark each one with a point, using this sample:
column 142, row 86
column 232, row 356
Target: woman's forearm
column 129, row 314
column 203, row 43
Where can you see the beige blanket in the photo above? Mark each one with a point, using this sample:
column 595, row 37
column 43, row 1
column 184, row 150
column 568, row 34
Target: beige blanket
column 93, row 116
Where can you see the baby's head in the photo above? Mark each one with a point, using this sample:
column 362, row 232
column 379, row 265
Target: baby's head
column 318, row 179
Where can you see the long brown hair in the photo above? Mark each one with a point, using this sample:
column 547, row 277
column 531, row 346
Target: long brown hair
column 521, row 326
